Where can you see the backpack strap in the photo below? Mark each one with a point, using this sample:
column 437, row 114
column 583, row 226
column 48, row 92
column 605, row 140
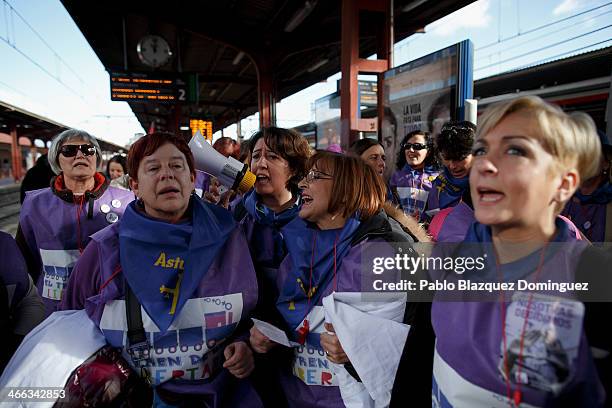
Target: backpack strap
column 239, row 212
column 137, row 345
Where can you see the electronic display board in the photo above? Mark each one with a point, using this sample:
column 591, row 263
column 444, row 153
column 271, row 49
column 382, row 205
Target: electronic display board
column 147, row 87
column 204, row 126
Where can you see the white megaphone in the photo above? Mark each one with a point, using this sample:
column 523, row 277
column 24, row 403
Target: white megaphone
column 229, row 171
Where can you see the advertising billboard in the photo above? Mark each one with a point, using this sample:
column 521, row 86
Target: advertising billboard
column 424, row 94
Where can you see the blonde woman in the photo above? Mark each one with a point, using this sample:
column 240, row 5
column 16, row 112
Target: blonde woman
column 522, row 348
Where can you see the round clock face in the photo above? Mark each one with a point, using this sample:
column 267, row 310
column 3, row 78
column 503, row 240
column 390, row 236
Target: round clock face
column 153, row 51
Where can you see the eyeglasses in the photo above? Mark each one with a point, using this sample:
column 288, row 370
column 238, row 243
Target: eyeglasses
column 71, row 150
column 316, row 175
column 414, row 146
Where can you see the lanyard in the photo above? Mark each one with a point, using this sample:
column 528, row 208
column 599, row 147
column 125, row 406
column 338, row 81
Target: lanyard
column 515, row 396
column 79, row 208
column 304, row 330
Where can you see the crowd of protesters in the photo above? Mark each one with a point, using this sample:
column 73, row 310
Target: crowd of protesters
column 153, row 285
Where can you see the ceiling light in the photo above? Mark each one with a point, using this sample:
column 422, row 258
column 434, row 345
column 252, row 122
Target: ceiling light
column 300, row 16
column 238, row 58
column 318, row 65
column 413, row 5
column 184, row 128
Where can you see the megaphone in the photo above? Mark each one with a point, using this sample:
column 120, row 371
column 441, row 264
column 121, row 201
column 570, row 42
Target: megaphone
column 230, row 172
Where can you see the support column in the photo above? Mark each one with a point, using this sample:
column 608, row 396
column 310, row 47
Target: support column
column 15, row 153
column 266, row 95
column 239, row 136
column 609, row 113
column 353, row 65
column 177, row 116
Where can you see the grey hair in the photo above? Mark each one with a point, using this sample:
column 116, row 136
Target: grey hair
column 65, row 136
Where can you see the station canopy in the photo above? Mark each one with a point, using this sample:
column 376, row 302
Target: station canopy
column 220, row 49
column 33, row 126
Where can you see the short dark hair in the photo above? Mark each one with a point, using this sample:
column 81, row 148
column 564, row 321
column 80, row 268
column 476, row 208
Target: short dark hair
column 430, row 159
column 455, row 140
column 359, row 146
column 290, row 145
column 355, row 185
column 117, row 159
column 147, row 145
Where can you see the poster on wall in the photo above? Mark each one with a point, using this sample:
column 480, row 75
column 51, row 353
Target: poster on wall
column 424, row 94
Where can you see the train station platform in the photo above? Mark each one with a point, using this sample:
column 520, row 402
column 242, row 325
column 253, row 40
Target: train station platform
column 9, row 208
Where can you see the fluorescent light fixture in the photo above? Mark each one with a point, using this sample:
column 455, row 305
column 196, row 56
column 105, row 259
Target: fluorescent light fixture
column 413, row 5
column 184, row 128
column 238, row 58
column 318, row 65
column 300, row 15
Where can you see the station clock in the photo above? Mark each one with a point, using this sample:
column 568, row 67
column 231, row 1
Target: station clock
column 153, row 51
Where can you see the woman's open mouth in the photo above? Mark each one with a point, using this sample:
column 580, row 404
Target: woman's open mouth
column 306, row 200
column 262, row 179
column 487, row 195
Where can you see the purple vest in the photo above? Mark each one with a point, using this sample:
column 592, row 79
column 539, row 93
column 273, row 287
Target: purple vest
column 456, row 224
column 188, row 357
column 589, row 218
column 266, row 246
column 469, row 362
column 52, row 229
column 202, row 182
column 413, row 188
column 13, row 271
column 312, row 382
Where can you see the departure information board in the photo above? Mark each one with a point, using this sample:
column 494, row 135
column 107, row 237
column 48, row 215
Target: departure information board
column 204, row 126
column 146, row 87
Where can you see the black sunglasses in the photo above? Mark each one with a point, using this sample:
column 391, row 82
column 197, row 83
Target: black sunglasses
column 71, row 150
column 415, row 146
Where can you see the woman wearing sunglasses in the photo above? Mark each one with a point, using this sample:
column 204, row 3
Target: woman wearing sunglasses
column 341, row 219
column 56, row 222
column 534, row 346
column 415, row 172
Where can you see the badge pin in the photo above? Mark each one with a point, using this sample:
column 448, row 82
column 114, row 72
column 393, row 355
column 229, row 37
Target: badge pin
column 116, row 203
column 112, row 218
column 104, row 208
column 587, row 225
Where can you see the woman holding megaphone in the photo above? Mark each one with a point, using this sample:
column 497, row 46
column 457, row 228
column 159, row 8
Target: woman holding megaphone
column 277, row 157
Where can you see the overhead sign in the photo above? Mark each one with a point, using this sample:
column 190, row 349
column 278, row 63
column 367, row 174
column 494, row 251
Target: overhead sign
column 148, row 87
column 204, row 126
column 368, row 93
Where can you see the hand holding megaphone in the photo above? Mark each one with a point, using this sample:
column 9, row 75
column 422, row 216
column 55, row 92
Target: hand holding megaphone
column 230, row 172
